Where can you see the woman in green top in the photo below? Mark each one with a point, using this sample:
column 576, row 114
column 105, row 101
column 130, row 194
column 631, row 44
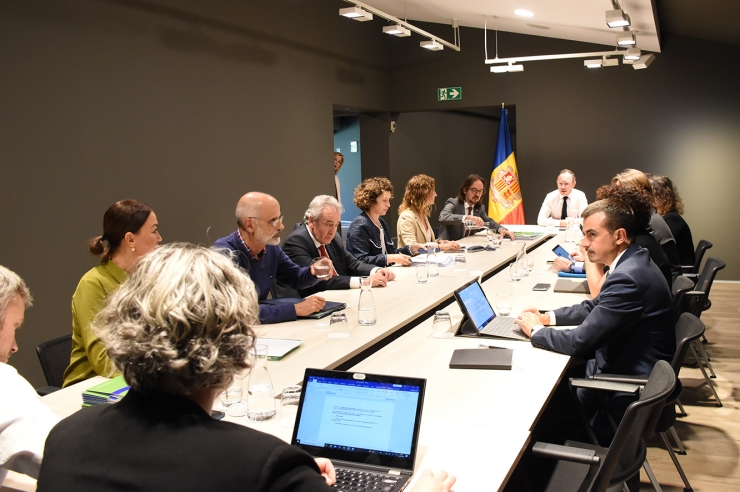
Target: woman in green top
column 130, row 231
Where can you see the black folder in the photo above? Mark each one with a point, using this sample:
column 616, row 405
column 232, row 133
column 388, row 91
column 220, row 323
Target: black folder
column 329, row 308
column 481, row 358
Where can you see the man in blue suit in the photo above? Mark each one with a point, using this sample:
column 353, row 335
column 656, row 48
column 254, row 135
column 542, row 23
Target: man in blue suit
column 627, row 328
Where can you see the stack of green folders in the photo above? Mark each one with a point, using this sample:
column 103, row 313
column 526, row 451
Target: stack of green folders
column 527, row 236
column 106, row 392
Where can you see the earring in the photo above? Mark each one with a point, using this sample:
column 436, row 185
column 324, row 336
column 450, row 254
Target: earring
column 133, row 249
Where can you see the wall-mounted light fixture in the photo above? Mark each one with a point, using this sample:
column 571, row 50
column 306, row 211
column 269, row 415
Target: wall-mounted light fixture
column 617, row 18
column 643, row 62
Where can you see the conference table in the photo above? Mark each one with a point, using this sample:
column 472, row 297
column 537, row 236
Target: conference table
column 476, row 423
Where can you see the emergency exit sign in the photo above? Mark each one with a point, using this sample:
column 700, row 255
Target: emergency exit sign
column 449, row 94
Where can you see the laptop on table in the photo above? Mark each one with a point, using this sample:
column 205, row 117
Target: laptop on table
column 366, row 424
column 479, row 318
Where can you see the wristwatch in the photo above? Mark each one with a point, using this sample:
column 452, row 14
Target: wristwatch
column 572, row 266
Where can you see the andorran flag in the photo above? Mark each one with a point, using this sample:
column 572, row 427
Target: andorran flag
column 505, row 196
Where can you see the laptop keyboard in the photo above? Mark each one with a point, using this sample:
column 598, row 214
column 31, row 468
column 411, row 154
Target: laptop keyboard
column 360, row 481
column 500, row 326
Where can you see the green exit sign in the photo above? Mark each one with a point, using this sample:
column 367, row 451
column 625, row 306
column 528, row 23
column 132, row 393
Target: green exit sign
column 449, row 94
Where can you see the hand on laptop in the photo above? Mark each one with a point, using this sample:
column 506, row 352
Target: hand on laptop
column 327, row 470
column 310, row 305
column 437, row 482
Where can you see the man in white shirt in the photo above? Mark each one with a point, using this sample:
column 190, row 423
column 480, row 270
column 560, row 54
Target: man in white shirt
column 25, row 420
column 564, row 202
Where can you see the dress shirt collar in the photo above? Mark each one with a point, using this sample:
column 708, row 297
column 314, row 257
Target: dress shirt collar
column 315, row 242
column 472, row 205
column 614, row 263
column 255, row 257
column 118, row 273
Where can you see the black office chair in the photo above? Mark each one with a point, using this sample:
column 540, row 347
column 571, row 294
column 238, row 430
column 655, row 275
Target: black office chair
column 688, row 329
column 594, row 468
column 679, row 305
column 701, row 248
column 54, row 357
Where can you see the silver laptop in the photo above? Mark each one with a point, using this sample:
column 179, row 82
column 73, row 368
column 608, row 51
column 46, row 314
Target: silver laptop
column 480, row 319
column 366, row 424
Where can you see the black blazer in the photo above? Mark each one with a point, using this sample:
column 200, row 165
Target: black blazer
column 682, row 234
column 300, row 248
column 160, row 442
column 451, row 219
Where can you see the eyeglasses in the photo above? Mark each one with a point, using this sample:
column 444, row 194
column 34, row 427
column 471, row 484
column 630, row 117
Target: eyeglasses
column 476, row 192
column 273, row 222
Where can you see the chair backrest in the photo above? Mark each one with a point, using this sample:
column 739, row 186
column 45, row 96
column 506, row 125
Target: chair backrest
column 688, row 329
column 54, row 357
column 701, row 248
column 704, row 284
column 627, row 451
column 680, row 287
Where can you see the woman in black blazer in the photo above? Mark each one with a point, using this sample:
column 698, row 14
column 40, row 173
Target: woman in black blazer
column 670, row 205
column 369, row 238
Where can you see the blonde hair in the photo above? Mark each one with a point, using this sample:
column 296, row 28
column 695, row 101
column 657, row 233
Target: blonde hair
column 181, row 322
column 633, row 178
column 12, row 285
column 416, row 193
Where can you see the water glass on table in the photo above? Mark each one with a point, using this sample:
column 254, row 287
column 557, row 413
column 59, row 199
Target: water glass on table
column 461, row 264
column 442, row 325
column 504, row 302
column 289, row 399
column 497, row 239
column 422, row 273
column 515, row 274
column 338, row 326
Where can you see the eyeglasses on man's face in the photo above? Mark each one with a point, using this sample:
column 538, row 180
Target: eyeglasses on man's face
column 475, row 191
column 273, row 222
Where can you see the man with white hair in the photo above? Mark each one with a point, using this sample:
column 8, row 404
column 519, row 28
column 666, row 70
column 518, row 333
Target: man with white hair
column 254, row 246
column 317, row 238
column 25, row 420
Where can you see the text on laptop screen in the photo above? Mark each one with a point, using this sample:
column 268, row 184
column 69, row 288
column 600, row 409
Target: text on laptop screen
column 478, row 307
column 356, row 415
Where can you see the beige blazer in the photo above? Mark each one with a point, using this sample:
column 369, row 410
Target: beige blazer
column 410, row 230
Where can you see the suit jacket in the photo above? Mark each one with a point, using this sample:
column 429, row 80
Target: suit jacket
column 410, row 230
column 628, row 325
column 159, row 442
column 682, row 234
column 299, row 246
column 363, row 241
column 451, row 218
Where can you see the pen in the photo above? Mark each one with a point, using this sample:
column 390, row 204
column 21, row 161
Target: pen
column 491, row 347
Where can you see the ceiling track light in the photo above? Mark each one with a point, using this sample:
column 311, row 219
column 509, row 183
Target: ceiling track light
column 397, row 30
column 356, row 13
column 593, row 63
column 432, row 45
column 632, row 53
column 617, row 18
column 626, row 38
column 511, row 67
column 643, row 62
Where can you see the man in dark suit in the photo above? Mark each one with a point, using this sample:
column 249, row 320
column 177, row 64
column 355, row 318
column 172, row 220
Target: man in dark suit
column 467, row 206
column 317, row 237
column 628, row 325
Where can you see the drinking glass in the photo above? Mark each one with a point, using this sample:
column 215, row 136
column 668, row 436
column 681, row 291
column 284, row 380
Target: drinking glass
column 489, row 236
column 504, row 301
column 338, row 326
column 497, row 239
column 432, row 265
column 231, row 396
column 514, row 272
column 289, row 399
column 422, row 273
column 442, row 325
column 461, row 264
column 260, row 393
column 530, row 262
column 322, row 271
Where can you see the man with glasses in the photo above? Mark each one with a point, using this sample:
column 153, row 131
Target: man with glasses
column 562, row 203
column 254, row 248
column 317, row 238
column 467, row 206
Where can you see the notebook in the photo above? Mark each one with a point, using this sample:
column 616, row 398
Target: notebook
column 479, row 318
column 329, row 307
column 568, row 286
column 482, row 358
column 367, row 424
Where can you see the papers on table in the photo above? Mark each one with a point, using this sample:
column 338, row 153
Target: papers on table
column 277, row 348
column 106, row 392
column 443, row 259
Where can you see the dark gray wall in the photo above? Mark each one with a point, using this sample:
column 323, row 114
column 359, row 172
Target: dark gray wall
column 679, row 117
column 183, row 105
column 187, row 105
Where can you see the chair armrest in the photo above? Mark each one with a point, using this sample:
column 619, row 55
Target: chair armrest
column 619, row 378
column 695, row 293
column 687, row 269
column 692, row 276
column 46, row 390
column 567, row 453
column 604, row 385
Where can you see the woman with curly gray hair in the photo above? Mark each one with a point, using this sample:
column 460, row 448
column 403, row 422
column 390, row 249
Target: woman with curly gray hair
column 178, row 329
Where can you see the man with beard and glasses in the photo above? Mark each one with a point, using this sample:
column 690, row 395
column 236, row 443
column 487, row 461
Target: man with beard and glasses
column 254, row 248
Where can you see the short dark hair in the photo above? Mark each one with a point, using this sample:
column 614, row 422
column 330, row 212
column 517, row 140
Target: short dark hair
column 467, row 184
column 121, row 217
column 618, row 215
column 639, row 200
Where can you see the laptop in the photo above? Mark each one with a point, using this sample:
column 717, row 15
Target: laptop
column 479, row 318
column 366, row 424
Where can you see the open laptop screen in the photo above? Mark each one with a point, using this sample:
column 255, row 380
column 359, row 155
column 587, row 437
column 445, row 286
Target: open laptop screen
column 361, row 418
column 475, row 304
